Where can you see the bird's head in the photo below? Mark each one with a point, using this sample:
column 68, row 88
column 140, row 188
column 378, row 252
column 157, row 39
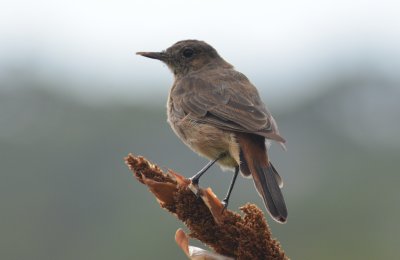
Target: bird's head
column 186, row 56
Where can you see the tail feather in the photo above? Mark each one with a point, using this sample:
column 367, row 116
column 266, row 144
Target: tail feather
column 277, row 176
column 254, row 161
column 268, row 188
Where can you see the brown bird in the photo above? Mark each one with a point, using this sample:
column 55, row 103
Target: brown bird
column 218, row 113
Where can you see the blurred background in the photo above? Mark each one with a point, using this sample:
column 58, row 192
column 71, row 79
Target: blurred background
column 74, row 100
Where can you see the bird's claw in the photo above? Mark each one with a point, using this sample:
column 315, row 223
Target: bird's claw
column 194, row 181
column 194, row 186
column 224, row 204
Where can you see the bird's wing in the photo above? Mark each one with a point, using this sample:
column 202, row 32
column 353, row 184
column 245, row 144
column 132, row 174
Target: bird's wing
column 228, row 101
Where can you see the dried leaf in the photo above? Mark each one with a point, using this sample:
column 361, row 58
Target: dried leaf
column 196, row 253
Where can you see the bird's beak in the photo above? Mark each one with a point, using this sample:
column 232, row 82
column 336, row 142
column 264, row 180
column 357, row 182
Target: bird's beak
column 153, row 55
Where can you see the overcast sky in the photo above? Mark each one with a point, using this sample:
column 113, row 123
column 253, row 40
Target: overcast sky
column 280, row 45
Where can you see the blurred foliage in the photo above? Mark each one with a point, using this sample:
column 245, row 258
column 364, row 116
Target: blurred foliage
column 65, row 192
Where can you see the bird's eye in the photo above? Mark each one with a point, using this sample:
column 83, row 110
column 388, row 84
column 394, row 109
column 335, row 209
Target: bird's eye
column 188, row 52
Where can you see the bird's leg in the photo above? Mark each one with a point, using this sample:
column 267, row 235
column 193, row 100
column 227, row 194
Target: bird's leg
column 195, row 179
column 226, row 200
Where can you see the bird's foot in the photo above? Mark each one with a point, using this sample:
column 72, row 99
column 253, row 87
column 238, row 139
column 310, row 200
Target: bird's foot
column 225, row 203
column 195, row 186
column 194, row 180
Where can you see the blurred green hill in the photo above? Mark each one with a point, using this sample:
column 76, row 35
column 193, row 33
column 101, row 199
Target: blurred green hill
column 65, row 192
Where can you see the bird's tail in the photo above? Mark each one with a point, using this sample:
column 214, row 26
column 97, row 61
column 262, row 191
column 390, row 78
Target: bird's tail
column 254, row 161
column 269, row 190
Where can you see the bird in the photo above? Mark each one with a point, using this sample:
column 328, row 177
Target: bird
column 218, row 113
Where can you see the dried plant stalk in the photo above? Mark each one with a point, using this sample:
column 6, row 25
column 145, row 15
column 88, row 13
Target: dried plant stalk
column 226, row 232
